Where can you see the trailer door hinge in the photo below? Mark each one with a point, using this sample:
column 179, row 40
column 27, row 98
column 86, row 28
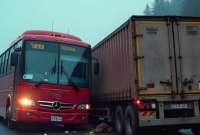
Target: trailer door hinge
column 180, row 57
column 138, row 35
column 170, row 57
column 139, row 57
column 142, row 88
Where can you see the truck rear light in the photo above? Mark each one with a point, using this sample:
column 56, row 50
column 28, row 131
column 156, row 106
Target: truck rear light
column 139, row 103
column 153, row 106
column 149, row 106
column 146, row 105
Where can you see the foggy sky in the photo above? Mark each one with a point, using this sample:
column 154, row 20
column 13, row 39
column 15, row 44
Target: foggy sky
column 90, row 20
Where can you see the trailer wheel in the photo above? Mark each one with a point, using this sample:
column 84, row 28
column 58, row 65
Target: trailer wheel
column 10, row 123
column 130, row 121
column 119, row 120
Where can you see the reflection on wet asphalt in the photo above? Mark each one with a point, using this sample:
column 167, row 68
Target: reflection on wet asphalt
column 59, row 130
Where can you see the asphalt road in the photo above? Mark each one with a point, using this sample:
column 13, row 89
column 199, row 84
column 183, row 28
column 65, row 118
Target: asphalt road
column 59, row 130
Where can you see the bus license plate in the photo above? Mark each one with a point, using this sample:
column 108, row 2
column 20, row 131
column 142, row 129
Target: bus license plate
column 56, row 119
column 179, row 106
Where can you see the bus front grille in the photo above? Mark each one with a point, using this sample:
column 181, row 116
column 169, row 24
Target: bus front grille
column 56, row 105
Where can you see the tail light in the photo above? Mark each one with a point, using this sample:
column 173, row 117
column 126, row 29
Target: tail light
column 149, row 106
column 138, row 103
column 146, row 105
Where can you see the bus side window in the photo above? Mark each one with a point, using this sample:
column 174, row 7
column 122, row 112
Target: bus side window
column 9, row 61
column 0, row 64
column 6, row 62
column 3, row 63
column 18, row 44
column 1, row 71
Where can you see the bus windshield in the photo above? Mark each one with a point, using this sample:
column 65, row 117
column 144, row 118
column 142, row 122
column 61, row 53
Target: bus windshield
column 57, row 63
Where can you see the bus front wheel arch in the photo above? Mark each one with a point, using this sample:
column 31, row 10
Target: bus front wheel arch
column 10, row 123
column 7, row 103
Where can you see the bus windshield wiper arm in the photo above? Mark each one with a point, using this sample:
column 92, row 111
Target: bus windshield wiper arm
column 69, row 79
column 54, row 68
column 52, row 71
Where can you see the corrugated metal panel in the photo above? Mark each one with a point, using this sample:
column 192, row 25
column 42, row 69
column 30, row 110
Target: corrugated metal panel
column 114, row 66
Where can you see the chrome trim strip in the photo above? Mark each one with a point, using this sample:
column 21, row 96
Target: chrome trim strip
column 46, row 105
column 49, row 104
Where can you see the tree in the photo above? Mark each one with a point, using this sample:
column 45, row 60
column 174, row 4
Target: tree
column 166, row 7
column 160, row 7
column 191, row 8
column 176, row 7
column 147, row 10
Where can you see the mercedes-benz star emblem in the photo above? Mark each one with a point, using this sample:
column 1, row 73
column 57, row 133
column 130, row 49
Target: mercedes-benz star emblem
column 56, row 105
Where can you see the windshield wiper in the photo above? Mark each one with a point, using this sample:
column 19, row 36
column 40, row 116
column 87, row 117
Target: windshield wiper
column 67, row 75
column 52, row 71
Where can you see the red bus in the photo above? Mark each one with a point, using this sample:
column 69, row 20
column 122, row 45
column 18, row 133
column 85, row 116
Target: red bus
column 45, row 78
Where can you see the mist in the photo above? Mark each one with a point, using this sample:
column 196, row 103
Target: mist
column 173, row 7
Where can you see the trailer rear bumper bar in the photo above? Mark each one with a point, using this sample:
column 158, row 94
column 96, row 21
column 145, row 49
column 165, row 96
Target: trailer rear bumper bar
column 169, row 122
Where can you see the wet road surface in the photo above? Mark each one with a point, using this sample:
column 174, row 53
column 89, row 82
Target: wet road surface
column 60, row 130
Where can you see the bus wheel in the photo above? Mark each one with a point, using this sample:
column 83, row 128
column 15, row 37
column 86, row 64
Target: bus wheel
column 11, row 124
column 119, row 120
column 130, row 121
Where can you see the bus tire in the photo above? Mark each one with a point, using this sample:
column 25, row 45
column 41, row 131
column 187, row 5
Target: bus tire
column 10, row 123
column 119, row 120
column 130, row 121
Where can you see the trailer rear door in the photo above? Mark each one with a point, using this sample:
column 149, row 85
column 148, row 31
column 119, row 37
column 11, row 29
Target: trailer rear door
column 188, row 56
column 155, row 58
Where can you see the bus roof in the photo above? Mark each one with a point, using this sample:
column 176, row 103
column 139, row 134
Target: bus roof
column 53, row 36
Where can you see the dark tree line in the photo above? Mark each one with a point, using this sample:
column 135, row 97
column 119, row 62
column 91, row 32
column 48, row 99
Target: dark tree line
column 173, row 7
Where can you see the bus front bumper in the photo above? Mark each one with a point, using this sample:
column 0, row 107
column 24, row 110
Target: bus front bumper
column 51, row 117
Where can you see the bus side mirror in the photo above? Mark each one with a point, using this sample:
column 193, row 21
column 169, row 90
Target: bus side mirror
column 96, row 68
column 14, row 59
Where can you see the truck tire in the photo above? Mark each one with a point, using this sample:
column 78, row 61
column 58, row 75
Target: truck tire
column 130, row 121
column 10, row 123
column 119, row 120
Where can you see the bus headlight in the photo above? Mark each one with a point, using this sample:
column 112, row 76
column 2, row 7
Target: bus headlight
column 26, row 102
column 84, row 107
